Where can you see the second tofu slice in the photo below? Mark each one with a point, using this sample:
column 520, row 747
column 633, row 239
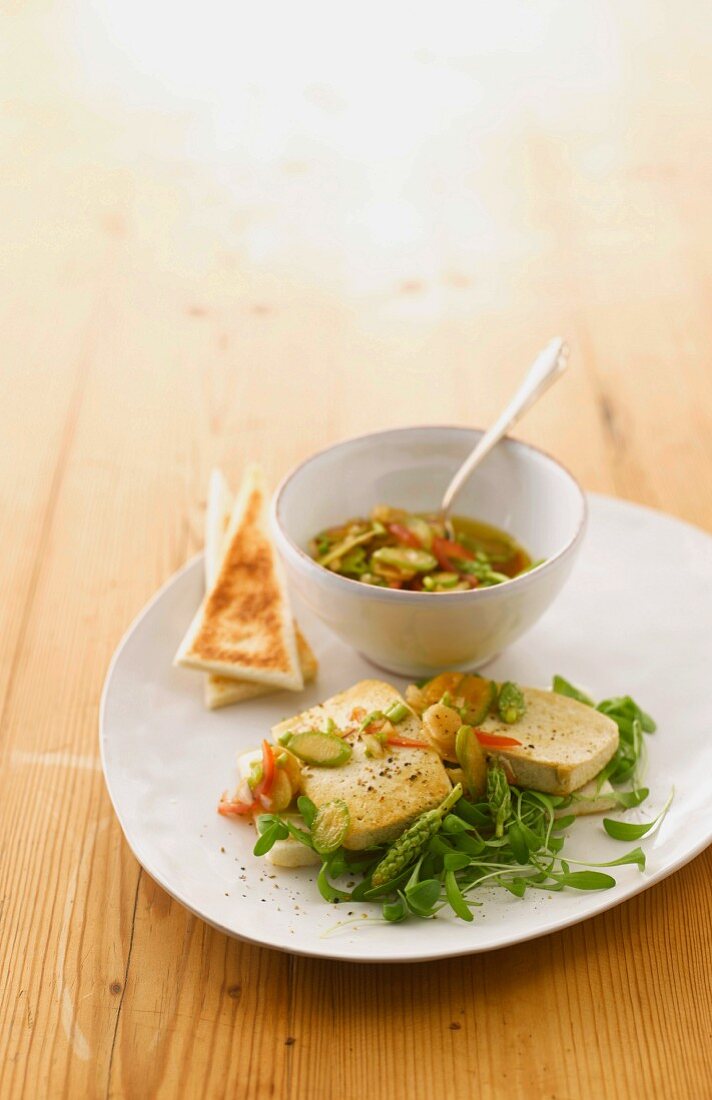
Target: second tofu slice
column 564, row 743
column 384, row 794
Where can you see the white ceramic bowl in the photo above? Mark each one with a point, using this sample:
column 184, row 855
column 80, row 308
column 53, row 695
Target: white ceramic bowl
column 517, row 488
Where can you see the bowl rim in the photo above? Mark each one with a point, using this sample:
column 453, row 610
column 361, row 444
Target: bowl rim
column 346, row 584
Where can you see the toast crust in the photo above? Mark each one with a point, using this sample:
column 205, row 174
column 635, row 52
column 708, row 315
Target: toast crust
column 222, row 691
column 244, row 627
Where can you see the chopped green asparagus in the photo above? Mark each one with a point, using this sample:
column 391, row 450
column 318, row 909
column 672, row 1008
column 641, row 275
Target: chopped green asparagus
column 498, row 797
column 510, row 703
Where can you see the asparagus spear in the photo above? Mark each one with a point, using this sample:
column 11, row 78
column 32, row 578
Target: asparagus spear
column 499, row 797
column 412, row 842
column 510, row 703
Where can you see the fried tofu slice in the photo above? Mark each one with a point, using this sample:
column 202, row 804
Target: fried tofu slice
column 384, row 794
column 564, row 744
column 244, row 626
column 222, row 691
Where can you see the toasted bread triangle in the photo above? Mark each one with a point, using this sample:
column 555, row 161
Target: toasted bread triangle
column 244, row 626
column 222, row 691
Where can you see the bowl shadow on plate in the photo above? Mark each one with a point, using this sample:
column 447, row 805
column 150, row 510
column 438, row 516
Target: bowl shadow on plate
column 414, row 676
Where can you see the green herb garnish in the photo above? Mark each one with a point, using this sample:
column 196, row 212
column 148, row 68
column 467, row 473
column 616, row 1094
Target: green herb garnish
column 511, row 839
column 563, row 687
column 451, row 852
column 624, row 830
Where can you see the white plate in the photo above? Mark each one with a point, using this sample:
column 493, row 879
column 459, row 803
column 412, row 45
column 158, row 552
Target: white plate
column 636, row 618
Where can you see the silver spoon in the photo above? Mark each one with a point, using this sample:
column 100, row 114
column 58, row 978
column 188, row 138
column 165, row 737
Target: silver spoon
column 549, row 365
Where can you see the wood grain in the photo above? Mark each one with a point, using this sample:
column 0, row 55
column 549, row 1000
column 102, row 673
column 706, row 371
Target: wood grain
column 203, row 263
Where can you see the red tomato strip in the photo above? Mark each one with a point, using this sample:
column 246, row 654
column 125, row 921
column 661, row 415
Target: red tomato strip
column 268, row 766
column 261, row 794
column 447, row 552
column 495, row 740
column 263, row 788
column 405, row 535
column 233, row 808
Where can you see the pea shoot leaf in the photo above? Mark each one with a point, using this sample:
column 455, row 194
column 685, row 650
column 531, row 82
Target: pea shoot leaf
column 518, row 843
column 563, row 687
column 585, row 880
column 326, row 889
column 624, row 830
column 422, row 896
column 455, row 898
column 307, row 809
column 395, row 911
column 267, row 840
column 456, row 861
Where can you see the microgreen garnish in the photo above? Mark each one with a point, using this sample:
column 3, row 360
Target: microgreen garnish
column 329, row 892
column 563, row 687
column 625, row 830
column 271, row 829
column 395, row 911
column 466, row 854
column 508, row 838
column 307, row 809
column 585, row 880
column 456, row 898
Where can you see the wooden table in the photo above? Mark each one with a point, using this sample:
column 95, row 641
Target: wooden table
column 216, row 247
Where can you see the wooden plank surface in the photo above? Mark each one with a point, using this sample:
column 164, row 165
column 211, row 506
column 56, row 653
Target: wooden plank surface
column 211, row 258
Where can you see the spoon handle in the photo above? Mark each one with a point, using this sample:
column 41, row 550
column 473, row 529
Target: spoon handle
column 549, row 365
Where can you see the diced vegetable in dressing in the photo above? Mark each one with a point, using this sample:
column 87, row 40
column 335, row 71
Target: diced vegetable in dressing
column 422, row 531
column 472, row 696
column 399, row 549
column 479, row 696
column 323, row 750
column 404, row 558
column 330, row 826
column 472, row 760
